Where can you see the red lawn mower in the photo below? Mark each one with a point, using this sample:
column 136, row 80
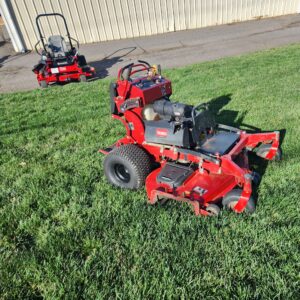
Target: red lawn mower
column 60, row 62
column 197, row 160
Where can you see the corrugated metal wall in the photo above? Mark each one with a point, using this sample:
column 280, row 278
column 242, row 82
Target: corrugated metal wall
column 102, row 20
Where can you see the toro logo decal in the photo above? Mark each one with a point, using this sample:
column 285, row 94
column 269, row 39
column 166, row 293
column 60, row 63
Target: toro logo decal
column 161, row 132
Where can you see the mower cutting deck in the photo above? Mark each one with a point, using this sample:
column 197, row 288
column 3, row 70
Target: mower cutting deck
column 59, row 62
column 199, row 161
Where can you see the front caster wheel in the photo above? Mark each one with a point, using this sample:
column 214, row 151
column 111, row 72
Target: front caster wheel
column 231, row 199
column 82, row 78
column 43, row 84
column 213, row 210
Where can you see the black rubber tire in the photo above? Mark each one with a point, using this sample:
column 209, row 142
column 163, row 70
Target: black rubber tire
column 82, row 78
column 264, row 149
column 127, row 166
column 231, row 198
column 43, row 84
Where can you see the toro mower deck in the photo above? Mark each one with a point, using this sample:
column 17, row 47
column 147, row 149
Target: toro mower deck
column 199, row 161
column 59, row 62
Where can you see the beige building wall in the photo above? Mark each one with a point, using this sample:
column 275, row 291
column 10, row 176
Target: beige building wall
column 102, row 20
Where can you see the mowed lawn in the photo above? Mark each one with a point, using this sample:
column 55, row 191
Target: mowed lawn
column 65, row 233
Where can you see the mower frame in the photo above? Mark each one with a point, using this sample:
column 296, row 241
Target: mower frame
column 215, row 176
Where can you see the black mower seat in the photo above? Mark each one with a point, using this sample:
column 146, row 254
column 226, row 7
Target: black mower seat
column 57, row 45
column 220, row 143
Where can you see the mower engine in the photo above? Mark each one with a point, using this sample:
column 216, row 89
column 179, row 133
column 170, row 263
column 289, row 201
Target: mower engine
column 173, row 110
column 199, row 161
column 174, row 124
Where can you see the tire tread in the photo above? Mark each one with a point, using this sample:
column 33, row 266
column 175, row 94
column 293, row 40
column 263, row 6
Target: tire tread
column 139, row 159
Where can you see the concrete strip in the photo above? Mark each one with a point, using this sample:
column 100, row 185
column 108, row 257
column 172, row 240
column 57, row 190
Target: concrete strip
column 170, row 50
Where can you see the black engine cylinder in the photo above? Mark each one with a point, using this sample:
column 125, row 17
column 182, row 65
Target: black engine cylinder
column 175, row 109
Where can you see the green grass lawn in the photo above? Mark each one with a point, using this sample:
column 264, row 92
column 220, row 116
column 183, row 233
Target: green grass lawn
column 66, row 234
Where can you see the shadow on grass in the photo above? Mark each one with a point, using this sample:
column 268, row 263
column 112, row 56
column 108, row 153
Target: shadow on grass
column 229, row 117
column 226, row 116
column 232, row 118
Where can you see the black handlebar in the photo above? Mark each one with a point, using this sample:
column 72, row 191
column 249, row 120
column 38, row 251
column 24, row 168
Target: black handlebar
column 129, row 67
column 144, row 62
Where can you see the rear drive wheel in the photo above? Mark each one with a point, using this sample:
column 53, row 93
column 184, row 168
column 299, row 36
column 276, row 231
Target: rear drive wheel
column 127, row 167
column 264, row 149
column 231, row 199
column 82, row 78
column 43, row 84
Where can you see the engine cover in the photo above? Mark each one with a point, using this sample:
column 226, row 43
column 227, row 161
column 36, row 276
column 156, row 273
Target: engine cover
column 165, row 132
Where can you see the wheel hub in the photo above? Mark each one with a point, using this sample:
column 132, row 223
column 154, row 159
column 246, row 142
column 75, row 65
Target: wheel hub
column 122, row 173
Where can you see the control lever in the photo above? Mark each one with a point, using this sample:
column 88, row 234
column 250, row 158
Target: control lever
column 144, row 62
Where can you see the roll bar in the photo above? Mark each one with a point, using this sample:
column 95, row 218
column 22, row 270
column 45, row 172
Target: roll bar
column 38, row 25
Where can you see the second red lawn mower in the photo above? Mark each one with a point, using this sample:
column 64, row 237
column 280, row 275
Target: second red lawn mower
column 60, row 61
column 197, row 160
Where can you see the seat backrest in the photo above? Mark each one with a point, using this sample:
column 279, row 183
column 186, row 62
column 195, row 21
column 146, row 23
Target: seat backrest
column 202, row 122
column 57, row 45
